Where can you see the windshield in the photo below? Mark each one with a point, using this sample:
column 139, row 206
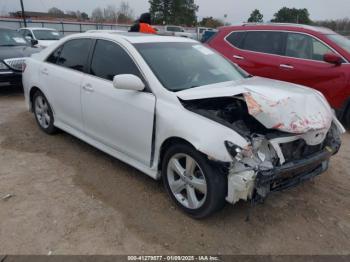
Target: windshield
column 47, row 35
column 12, row 38
column 340, row 40
column 181, row 66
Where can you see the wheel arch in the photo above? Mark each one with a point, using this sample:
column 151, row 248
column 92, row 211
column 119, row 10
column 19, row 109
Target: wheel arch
column 32, row 92
column 167, row 143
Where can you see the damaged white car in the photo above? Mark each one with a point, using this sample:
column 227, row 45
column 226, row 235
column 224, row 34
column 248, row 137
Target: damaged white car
column 180, row 112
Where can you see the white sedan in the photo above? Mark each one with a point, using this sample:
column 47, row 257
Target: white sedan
column 180, row 112
column 44, row 36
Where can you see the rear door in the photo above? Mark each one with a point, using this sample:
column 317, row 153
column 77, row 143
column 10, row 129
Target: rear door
column 260, row 52
column 120, row 119
column 63, row 74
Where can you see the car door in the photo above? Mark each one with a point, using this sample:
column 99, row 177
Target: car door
column 303, row 64
column 120, row 119
column 259, row 52
column 62, row 74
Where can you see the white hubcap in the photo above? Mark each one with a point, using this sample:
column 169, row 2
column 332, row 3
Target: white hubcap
column 187, row 181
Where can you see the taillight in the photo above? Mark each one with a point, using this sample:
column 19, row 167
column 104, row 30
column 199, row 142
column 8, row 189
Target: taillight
column 24, row 66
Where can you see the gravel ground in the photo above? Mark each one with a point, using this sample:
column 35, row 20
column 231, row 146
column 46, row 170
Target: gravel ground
column 69, row 198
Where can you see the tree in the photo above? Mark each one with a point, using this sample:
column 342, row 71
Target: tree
column 256, row 17
column 84, row 16
column 97, row 15
column 211, row 22
column 110, row 13
column 178, row 12
column 56, row 12
column 292, row 15
column 125, row 13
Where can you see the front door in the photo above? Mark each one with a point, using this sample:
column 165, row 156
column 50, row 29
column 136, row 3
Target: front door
column 121, row 119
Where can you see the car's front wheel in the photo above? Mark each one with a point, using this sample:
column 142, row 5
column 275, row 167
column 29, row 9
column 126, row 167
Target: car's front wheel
column 195, row 185
column 43, row 113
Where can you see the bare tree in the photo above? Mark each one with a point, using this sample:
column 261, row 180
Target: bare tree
column 97, row 15
column 125, row 13
column 55, row 11
column 111, row 13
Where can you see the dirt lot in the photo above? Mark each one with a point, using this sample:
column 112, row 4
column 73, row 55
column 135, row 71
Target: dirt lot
column 70, row 198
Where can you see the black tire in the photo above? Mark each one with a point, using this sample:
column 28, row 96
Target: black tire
column 216, row 181
column 50, row 128
column 347, row 118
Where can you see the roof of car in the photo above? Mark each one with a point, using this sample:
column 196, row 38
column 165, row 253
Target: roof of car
column 319, row 29
column 135, row 38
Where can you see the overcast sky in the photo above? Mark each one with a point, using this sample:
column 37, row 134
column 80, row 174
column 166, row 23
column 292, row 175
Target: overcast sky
column 237, row 10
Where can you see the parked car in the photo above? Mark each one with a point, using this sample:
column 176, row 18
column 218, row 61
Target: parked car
column 176, row 110
column 207, row 35
column 202, row 30
column 307, row 55
column 13, row 51
column 44, row 36
column 174, row 30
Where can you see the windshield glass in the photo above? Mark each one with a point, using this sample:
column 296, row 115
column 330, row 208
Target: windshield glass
column 181, row 66
column 46, row 35
column 12, row 38
column 340, row 40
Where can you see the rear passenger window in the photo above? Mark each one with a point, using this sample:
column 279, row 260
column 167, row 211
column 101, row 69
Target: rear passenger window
column 264, row 42
column 75, row 54
column 54, row 56
column 110, row 59
column 236, row 38
column 306, row 47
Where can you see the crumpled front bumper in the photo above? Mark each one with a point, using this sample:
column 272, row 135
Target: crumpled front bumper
column 293, row 173
column 257, row 184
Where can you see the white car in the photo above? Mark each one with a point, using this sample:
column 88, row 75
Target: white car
column 174, row 30
column 180, row 112
column 44, row 36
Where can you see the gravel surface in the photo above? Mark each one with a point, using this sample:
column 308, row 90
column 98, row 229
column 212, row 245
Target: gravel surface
column 59, row 195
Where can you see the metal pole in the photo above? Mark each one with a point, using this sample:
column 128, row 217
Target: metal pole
column 23, row 14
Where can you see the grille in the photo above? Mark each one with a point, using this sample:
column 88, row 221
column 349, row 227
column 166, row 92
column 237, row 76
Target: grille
column 15, row 63
column 298, row 149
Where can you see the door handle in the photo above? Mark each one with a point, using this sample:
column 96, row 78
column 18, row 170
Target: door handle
column 88, row 88
column 45, row 71
column 289, row 67
column 238, row 57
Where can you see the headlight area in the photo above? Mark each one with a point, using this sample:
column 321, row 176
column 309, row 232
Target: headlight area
column 257, row 170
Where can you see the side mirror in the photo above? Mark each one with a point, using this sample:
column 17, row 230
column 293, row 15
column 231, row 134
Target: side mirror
column 128, row 82
column 332, row 59
column 34, row 42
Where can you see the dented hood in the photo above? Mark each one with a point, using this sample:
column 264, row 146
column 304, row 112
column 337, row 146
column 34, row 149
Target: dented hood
column 277, row 105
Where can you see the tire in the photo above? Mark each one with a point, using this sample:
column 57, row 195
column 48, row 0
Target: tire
column 196, row 186
column 347, row 118
column 43, row 113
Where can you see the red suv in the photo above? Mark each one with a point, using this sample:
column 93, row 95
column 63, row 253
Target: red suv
column 312, row 56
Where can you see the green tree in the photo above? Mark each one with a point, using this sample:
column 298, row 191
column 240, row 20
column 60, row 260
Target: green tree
column 292, row 15
column 211, row 22
column 256, row 17
column 177, row 12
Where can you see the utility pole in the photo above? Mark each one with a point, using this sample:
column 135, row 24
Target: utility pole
column 23, row 14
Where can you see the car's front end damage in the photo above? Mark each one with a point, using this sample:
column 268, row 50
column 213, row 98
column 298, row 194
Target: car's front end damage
column 291, row 135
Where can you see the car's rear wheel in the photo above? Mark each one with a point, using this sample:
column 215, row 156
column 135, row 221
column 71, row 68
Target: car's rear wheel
column 43, row 113
column 347, row 118
column 193, row 183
